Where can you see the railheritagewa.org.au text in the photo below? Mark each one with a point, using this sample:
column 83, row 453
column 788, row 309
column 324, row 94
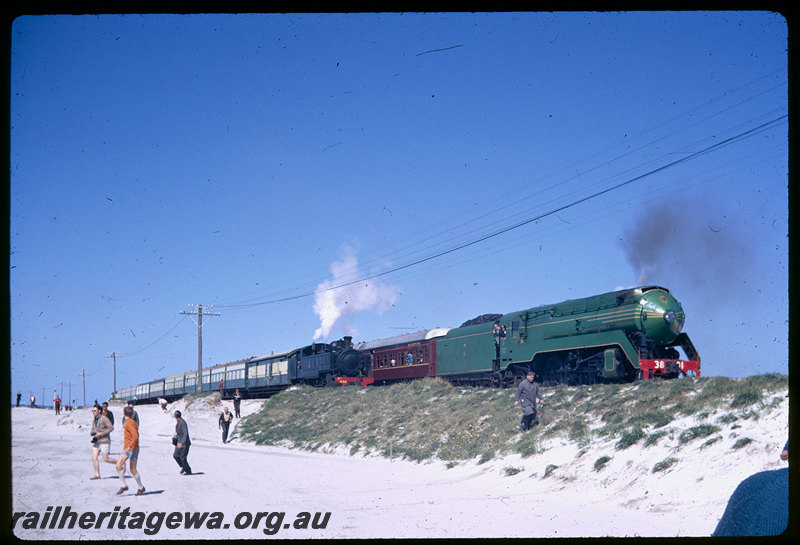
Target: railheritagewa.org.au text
column 60, row 518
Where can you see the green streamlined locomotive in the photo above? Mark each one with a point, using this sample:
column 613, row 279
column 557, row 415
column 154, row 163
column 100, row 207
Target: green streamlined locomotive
column 617, row 336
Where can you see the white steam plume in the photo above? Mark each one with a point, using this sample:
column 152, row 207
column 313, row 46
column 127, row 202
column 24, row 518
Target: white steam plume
column 332, row 304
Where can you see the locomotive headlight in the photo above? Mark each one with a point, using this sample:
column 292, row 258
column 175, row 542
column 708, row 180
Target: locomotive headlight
column 669, row 316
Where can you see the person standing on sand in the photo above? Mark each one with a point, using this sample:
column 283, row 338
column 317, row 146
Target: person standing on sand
column 182, row 442
column 225, row 420
column 101, row 440
column 527, row 393
column 130, row 451
column 237, row 402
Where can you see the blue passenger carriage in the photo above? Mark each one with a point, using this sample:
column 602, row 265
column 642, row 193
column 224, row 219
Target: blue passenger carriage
column 175, row 386
column 235, row 374
column 269, row 374
column 156, row 390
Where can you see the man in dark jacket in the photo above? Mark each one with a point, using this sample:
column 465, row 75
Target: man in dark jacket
column 182, row 442
column 225, row 420
column 527, row 393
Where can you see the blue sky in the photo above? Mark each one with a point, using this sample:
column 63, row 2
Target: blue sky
column 455, row 164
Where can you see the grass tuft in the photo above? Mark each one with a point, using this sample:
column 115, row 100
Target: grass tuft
column 601, row 462
column 548, row 470
column 664, row 464
column 703, row 430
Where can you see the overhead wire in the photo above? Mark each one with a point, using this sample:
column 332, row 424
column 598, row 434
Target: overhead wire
column 421, row 243
column 460, row 236
column 181, row 320
column 718, row 145
column 527, row 191
column 612, row 209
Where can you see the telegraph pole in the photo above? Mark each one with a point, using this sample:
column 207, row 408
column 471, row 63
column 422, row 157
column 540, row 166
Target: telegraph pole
column 199, row 314
column 114, row 355
column 83, row 376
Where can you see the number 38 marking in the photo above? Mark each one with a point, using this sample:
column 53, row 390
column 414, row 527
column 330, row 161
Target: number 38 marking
column 661, row 364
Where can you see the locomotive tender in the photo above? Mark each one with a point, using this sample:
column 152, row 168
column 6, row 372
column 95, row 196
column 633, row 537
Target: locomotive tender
column 619, row 336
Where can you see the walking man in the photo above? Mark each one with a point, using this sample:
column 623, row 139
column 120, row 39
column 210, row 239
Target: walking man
column 182, row 442
column 225, row 420
column 130, row 451
column 527, row 393
column 101, row 440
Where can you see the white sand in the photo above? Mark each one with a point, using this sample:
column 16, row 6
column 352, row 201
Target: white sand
column 373, row 497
